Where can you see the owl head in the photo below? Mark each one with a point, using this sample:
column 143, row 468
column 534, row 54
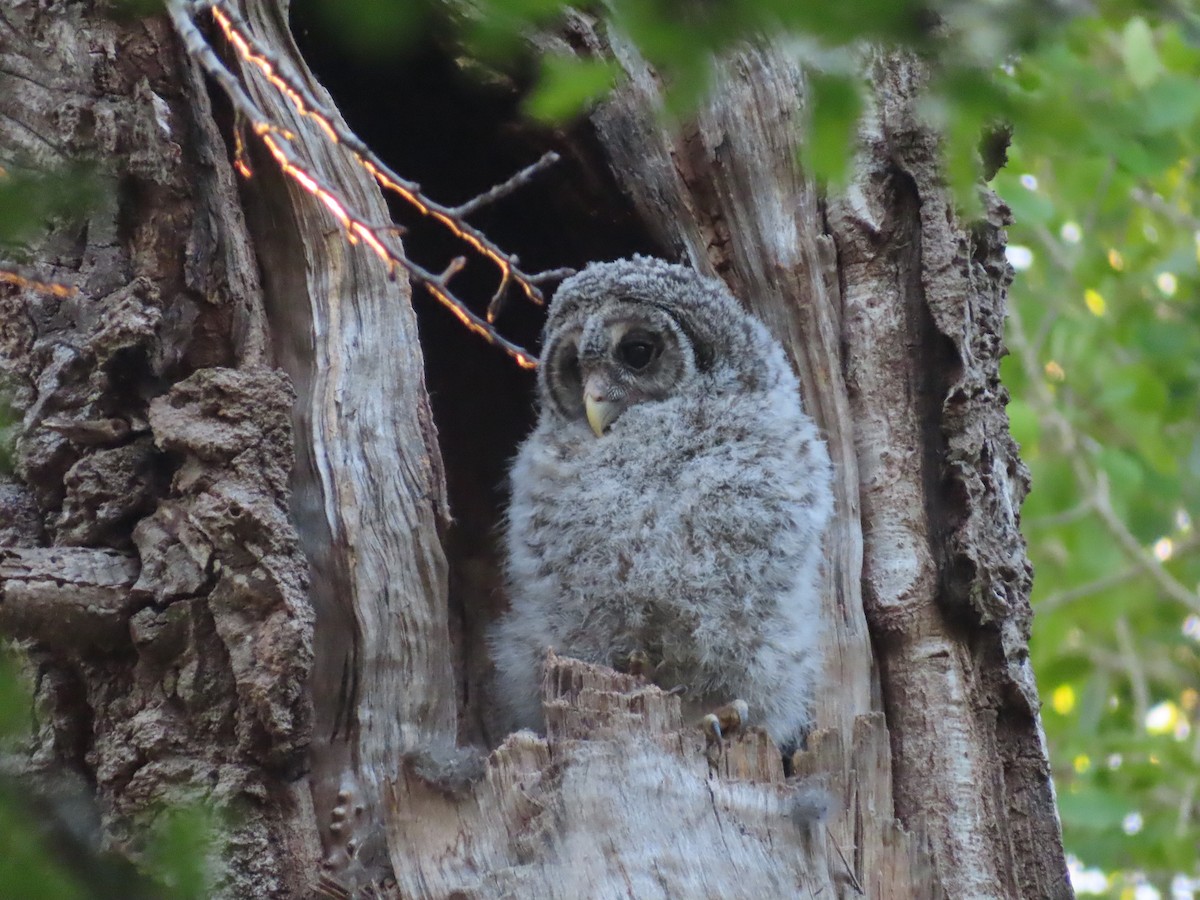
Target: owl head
column 638, row 331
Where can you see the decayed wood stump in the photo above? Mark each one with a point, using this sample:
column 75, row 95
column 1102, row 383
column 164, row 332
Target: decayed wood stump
column 622, row 798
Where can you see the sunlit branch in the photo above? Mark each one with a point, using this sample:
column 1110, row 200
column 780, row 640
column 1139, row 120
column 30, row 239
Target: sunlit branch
column 378, row 238
column 12, row 275
column 279, row 75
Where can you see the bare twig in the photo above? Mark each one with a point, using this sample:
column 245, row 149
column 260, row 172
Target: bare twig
column 1066, row 517
column 505, row 188
column 1063, row 598
column 551, row 275
column 854, row 883
column 1133, row 668
column 379, row 239
column 1089, row 220
column 1156, row 203
column 1187, row 799
column 17, row 275
column 281, row 74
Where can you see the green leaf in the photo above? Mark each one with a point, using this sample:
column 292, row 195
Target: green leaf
column 177, row 852
column 1091, row 808
column 29, row 199
column 835, row 106
column 1139, row 53
column 1173, row 103
column 1125, row 473
column 1024, row 425
column 1028, row 207
column 567, row 85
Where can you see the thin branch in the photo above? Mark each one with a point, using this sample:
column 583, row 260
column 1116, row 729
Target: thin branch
column 1133, row 668
column 1063, row 598
column 16, row 275
column 1101, row 189
column 1187, row 799
column 845, row 865
column 1156, row 203
column 280, row 74
column 1135, row 551
column 1116, row 663
column 551, row 275
column 278, row 143
column 1066, row 517
column 1059, row 599
column 505, row 188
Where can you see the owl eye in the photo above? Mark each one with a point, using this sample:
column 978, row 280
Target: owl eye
column 638, row 351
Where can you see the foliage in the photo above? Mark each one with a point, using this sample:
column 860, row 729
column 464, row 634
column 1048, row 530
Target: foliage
column 48, row 843
column 29, row 200
column 1105, row 374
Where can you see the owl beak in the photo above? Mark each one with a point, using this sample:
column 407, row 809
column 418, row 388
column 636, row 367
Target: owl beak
column 600, row 413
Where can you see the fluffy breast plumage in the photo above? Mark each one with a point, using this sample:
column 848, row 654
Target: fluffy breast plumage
column 689, row 532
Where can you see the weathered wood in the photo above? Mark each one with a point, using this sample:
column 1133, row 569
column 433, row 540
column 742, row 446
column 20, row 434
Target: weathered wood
column 367, row 492
column 68, row 597
column 946, row 580
column 151, row 423
column 620, row 800
column 726, row 193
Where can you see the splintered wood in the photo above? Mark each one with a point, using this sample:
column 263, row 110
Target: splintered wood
column 619, row 800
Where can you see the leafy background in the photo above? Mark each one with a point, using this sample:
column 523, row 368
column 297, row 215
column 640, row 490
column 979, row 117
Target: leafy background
column 1105, row 378
column 1103, row 103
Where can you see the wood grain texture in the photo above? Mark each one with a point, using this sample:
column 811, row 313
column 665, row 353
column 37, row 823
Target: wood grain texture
column 947, row 580
column 620, row 800
column 367, row 492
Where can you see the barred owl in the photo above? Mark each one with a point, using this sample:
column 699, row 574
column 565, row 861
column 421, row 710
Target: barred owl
column 669, row 503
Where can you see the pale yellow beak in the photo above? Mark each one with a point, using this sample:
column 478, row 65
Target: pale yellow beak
column 600, row 413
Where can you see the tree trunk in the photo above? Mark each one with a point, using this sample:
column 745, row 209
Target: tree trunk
column 201, row 624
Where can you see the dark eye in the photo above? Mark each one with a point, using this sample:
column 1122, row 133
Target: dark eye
column 637, row 352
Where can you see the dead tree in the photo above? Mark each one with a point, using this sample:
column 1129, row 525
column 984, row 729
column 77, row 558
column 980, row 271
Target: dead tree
column 228, row 548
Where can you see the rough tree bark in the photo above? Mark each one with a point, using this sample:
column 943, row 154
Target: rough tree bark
column 206, row 617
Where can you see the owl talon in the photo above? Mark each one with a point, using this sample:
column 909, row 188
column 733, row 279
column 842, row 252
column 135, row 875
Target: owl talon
column 724, row 721
column 714, row 744
column 732, row 716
